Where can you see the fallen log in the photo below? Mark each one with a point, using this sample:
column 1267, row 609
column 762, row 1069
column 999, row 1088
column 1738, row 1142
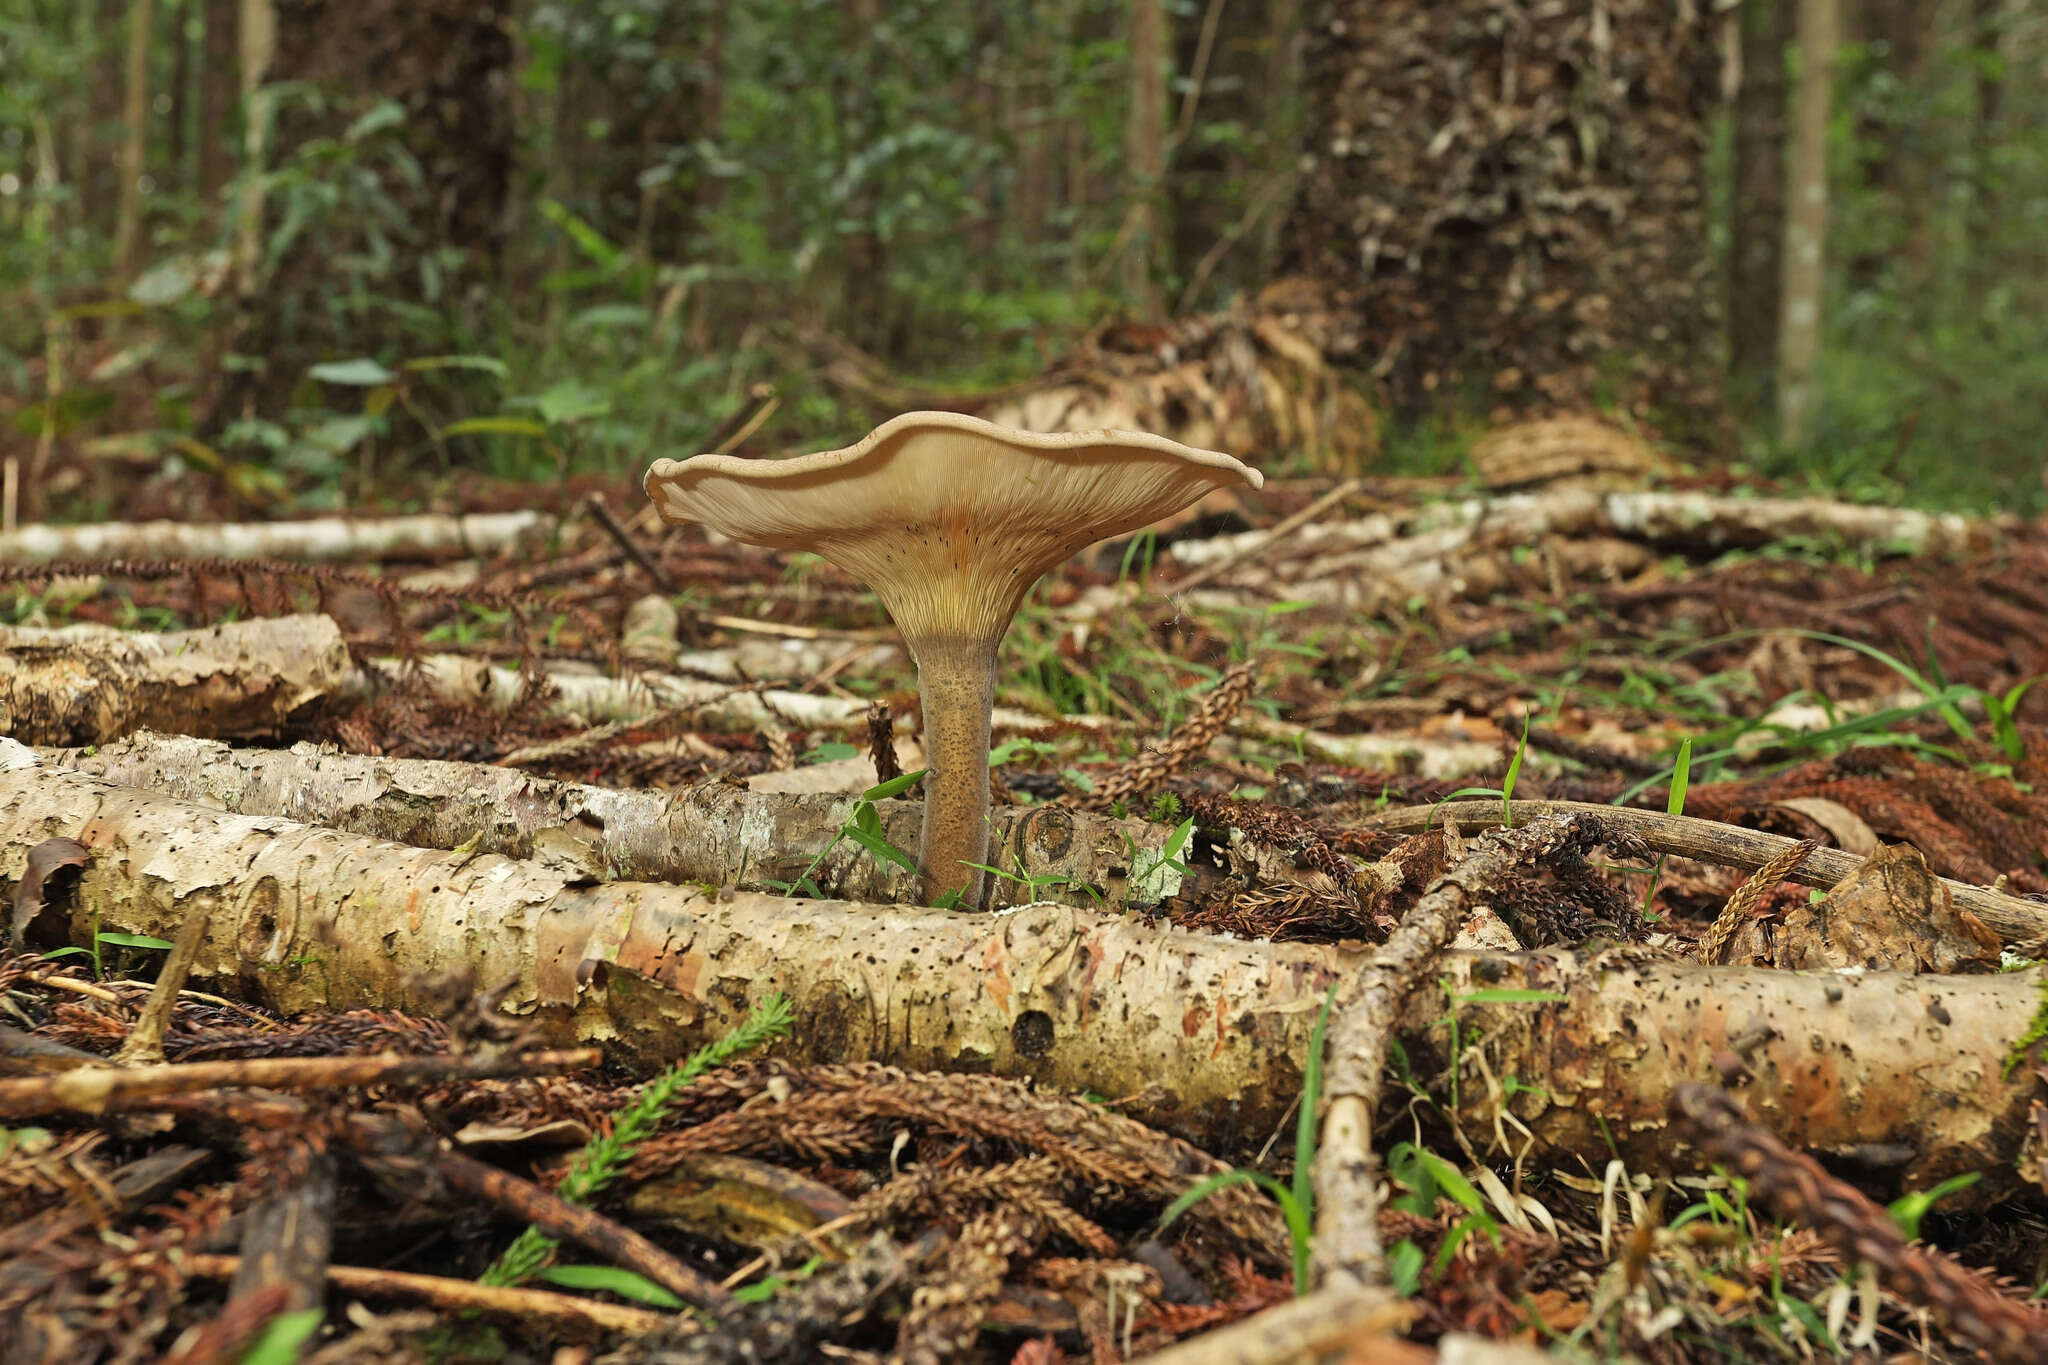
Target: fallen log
column 1688, row 520
column 2017, row 920
column 712, row 833
column 594, row 698
column 88, row 684
column 1200, row 1035
column 430, row 535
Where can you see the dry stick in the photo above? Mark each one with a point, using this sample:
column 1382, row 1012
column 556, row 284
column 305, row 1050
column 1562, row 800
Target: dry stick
column 1347, row 1251
column 100, row 1089
column 1297, row 1329
column 1281, row 529
column 625, row 541
column 573, row 1222
column 1709, row 841
column 1796, row 1186
column 145, row 1043
column 529, row 1305
column 287, row 1237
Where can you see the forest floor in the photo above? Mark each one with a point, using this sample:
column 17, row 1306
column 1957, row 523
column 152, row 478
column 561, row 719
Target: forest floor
column 1287, row 713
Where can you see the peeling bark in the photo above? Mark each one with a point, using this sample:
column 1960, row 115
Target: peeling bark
column 712, row 833
column 1381, row 544
column 1204, row 1035
column 323, row 539
column 86, row 684
column 593, row 698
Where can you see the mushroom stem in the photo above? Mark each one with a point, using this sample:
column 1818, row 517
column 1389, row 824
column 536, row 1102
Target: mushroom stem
column 956, row 686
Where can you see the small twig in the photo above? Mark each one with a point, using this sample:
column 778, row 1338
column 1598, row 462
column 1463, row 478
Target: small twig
column 743, row 420
column 1280, row 531
column 145, row 1042
column 626, row 542
column 1687, row 836
column 574, row 1222
column 882, row 742
column 102, row 1089
column 527, row 1305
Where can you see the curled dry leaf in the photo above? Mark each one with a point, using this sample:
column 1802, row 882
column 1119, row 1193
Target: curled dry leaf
column 1851, row 833
column 1891, row 913
column 50, row 856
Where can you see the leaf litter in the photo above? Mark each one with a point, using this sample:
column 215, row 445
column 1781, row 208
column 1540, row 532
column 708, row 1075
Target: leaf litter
column 865, row 1209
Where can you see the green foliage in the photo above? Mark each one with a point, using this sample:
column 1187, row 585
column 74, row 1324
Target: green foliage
column 627, row 1284
column 283, row 1337
column 863, row 825
column 605, row 1156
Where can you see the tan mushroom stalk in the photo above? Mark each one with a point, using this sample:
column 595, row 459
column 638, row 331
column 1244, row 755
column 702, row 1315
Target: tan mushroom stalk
column 950, row 520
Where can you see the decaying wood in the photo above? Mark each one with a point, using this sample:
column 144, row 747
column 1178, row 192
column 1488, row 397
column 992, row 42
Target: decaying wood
column 287, row 1236
column 713, row 833
column 101, row 1089
column 87, row 684
column 323, row 539
column 1204, row 1035
column 1385, row 559
column 2015, row 919
column 595, row 698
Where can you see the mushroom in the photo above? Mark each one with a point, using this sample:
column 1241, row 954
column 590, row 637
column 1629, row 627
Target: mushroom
column 950, row 520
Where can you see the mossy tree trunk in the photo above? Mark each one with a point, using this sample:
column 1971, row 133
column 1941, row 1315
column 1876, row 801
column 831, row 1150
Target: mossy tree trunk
column 1507, row 200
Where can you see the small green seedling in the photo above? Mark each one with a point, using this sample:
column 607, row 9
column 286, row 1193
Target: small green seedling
column 1297, row 1202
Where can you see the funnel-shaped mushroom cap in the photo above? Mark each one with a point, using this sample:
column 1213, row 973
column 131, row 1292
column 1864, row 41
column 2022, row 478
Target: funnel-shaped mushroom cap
column 948, row 518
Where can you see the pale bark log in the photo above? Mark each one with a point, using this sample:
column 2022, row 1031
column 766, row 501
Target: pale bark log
column 1205, row 1034
column 1806, row 217
column 1380, row 544
column 326, row 539
column 87, row 684
column 714, row 833
column 593, row 698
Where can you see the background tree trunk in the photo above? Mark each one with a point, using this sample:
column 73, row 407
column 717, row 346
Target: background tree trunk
column 1145, row 160
column 255, row 47
column 1756, row 206
column 219, row 91
column 134, row 137
column 1509, row 198
column 1806, row 221
column 342, row 286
